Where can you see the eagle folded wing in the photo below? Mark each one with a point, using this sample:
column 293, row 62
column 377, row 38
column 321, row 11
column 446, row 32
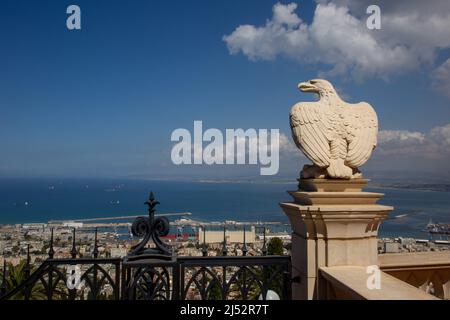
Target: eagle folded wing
column 362, row 126
column 311, row 130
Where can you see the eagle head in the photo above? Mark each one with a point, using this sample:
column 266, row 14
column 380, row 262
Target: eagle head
column 319, row 86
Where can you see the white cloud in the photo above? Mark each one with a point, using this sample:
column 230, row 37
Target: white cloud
column 404, row 136
column 441, row 78
column 281, row 34
column 441, row 136
column 401, row 143
column 286, row 144
column 434, row 144
column 411, row 36
column 284, row 14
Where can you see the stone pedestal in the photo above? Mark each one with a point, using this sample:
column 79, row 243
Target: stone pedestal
column 334, row 223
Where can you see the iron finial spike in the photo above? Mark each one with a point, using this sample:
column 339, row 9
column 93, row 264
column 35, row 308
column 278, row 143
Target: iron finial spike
column 51, row 252
column 152, row 203
column 224, row 248
column 204, row 249
column 74, row 249
column 27, row 268
column 28, row 254
column 264, row 248
column 95, row 252
column 244, row 247
column 204, row 234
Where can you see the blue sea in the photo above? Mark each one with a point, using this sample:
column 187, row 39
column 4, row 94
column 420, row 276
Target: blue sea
column 23, row 200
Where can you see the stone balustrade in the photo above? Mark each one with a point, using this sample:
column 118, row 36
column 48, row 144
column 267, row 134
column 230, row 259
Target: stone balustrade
column 334, row 241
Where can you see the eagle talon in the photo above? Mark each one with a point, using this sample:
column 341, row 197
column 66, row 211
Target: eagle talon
column 313, row 172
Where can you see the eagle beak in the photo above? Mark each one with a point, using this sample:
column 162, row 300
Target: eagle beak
column 306, row 86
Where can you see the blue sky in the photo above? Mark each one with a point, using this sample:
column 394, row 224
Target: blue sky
column 103, row 101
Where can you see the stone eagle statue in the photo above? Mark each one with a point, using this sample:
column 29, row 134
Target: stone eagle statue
column 336, row 136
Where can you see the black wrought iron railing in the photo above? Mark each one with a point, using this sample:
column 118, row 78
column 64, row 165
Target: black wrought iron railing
column 150, row 273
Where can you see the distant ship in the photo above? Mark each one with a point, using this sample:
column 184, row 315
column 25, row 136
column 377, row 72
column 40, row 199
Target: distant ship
column 438, row 228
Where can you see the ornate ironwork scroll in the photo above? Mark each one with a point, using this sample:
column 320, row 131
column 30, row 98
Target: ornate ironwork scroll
column 151, row 228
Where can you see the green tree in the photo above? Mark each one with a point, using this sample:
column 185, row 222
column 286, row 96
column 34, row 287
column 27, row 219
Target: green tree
column 215, row 293
column 15, row 276
column 275, row 247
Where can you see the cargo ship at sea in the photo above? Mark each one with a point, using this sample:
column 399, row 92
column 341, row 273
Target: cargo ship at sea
column 438, row 228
